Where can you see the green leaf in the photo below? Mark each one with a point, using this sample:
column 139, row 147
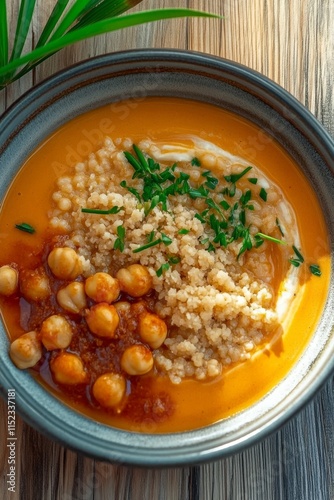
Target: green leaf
column 162, row 269
column 98, row 10
column 25, row 227
column 165, row 239
column 70, row 17
column 270, row 238
column 120, row 241
column 173, row 259
column 3, row 33
column 236, row 177
column 278, row 224
column 52, row 22
column 113, row 210
column 263, row 194
column 195, row 162
column 141, row 158
column 245, row 197
column 99, row 28
column 148, row 245
column 133, row 161
column 315, row 269
column 22, row 27
column 297, row 252
column 295, row 262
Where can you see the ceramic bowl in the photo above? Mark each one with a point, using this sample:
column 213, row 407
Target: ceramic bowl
column 137, row 74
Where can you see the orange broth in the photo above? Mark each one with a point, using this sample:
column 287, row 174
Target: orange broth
column 196, row 403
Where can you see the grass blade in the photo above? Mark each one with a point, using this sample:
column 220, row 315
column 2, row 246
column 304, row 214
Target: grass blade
column 52, row 21
column 3, row 33
column 105, row 9
column 22, row 27
column 99, row 28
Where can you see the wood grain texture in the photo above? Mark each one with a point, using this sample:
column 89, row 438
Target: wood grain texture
column 292, row 42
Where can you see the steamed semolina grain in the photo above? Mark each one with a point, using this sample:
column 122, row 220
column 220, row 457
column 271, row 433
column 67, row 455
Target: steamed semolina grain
column 218, row 310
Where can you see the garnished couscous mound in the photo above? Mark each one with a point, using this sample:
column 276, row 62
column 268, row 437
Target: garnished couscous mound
column 205, row 243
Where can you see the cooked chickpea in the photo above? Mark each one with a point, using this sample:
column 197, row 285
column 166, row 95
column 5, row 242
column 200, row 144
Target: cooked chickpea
column 102, row 319
column 135, row 280
column 122, row 306
column 68, row 368
column 9, row 279
column 101, row 287
column 26, row 350
column 65, row 263
column 72, row 298
column 152, row 329
column 137, row 360
column 56, row 332
column 109, row 389
column 34, row 284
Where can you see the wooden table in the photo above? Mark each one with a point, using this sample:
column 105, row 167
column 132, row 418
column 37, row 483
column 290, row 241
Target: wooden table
column 292, row 42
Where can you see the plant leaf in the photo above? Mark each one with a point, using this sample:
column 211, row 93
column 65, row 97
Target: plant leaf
column 22, row 27
column 3, row 33
column 104, row 9
column 98, row 28
column 52, row 22
column 107, row 8
column 70, row 17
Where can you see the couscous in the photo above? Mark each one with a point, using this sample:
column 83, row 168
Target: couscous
column 219, row 302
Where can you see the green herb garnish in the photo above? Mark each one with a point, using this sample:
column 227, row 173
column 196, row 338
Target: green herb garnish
column 148, row 245
column 120, row 241
column 233, row 178
column 131, row 190
column 162, row 269
column 271, row 238
column 165, row 239
column 225, row 222
column 211, row 181
column 263, row 194
column 315, row 269
column 298, row 260
column 195, row 162
column 113, row 210
column 173, row 259
column 27, row 228
column 278, row 224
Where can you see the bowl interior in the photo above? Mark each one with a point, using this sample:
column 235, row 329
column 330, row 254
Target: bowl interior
column 135, row 75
